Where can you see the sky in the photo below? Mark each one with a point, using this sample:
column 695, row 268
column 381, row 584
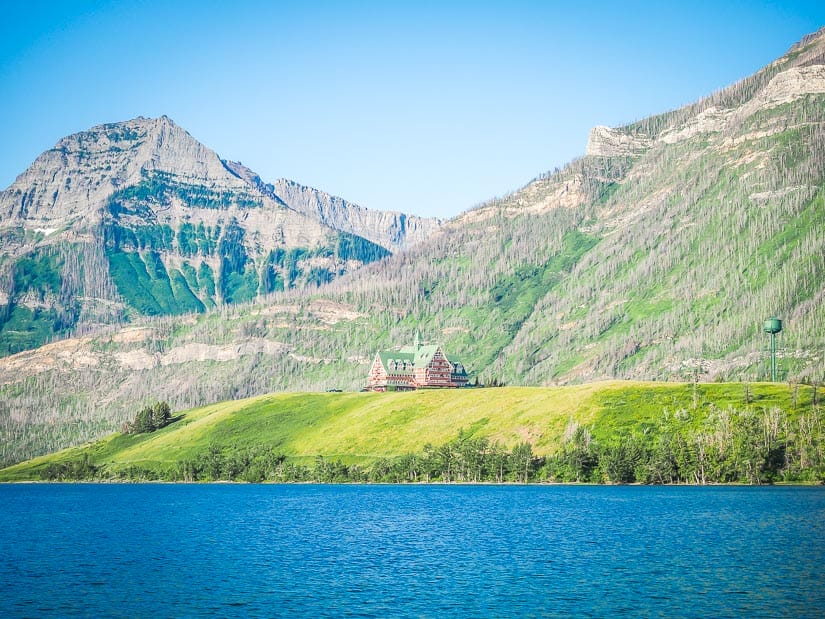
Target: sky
column 423, row 107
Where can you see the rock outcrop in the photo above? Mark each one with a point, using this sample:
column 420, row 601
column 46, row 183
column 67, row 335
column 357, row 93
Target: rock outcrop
column 390, row 229
column 607, row 142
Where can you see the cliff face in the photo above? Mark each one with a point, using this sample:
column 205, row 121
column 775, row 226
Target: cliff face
column 74, row 179
column 390, row 229
column 74, row 183
column 607, row 142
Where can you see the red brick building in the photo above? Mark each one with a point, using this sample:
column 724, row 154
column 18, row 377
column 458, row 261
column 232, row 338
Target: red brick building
column 415, row 367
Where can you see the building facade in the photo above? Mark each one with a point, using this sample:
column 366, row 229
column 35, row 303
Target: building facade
column 415, row 367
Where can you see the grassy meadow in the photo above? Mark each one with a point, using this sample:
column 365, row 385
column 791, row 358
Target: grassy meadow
column 362, row 428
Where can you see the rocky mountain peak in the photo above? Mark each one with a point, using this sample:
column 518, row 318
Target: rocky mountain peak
column 171, row 149
column 390, row 229
column 818, row 36
column 73, row 181
column 78, row 175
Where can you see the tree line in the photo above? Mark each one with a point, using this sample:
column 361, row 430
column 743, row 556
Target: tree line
column 729, row 446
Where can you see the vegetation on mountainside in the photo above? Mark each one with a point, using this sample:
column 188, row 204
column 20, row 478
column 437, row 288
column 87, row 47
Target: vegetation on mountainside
column 661, row 265
column 234, row 270
column 46, row 292
column 145, row 284
column 138, row 266
column 38, row 276
column 322, row 364
column 617, row 432
column 159, row 187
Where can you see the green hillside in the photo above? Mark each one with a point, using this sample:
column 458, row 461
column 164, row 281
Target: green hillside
column 292, row 436
column 656, row 256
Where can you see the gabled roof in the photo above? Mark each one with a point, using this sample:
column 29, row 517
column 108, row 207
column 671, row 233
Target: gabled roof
column 422, row 354
column 405, row 360
column 397, row 362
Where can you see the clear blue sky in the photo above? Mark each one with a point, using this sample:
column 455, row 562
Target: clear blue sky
column 425, row 107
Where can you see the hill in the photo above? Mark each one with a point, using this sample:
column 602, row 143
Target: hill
column 138, row 218
column 743, row 429
column 656, row 256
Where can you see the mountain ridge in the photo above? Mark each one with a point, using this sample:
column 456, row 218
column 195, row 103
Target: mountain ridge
column 660, row 264
column 161, row 145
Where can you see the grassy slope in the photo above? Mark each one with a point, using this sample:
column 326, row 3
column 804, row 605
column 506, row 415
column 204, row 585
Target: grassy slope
column 364, row 426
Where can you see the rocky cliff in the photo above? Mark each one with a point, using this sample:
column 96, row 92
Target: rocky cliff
column 390, row 229
column 607, row 142
column 166, row 226
column 75, row 178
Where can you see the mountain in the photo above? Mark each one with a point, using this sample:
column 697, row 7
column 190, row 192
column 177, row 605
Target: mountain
column 658, row 255
column 392, row 230
column 139, row 218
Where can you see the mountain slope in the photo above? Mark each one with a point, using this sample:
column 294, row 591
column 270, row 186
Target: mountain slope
column 658, row 255
column 164, row 227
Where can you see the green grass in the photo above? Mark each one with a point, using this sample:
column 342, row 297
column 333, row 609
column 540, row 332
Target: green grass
column 362, row 427
column 38, row 272
column 513, row 298
column 38, row 275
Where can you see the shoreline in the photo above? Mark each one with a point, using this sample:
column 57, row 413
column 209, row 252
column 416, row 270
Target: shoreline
column 125, row 482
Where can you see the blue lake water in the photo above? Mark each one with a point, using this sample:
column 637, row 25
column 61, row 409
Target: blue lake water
column 410, row 551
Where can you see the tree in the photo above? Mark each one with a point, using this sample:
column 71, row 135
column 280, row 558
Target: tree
column 161, row 414
column 499, row 461
column 143, row 421
column 522, row 461
column 150, row 418
column 579, row 454
column 618, row 460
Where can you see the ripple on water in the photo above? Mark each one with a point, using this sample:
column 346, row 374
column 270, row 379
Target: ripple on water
column 419, row 551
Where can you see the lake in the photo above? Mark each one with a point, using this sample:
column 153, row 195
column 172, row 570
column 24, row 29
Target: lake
column 164, row 550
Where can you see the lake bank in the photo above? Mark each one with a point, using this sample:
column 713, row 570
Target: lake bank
column 616, row 431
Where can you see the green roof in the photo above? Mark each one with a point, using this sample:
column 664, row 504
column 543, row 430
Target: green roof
column 397, row 357
column 410, row 357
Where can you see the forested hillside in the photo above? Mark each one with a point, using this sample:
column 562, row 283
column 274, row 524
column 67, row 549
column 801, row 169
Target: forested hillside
column 658, row 256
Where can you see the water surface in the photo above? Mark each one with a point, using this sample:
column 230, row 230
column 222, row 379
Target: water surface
column 418, row 551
